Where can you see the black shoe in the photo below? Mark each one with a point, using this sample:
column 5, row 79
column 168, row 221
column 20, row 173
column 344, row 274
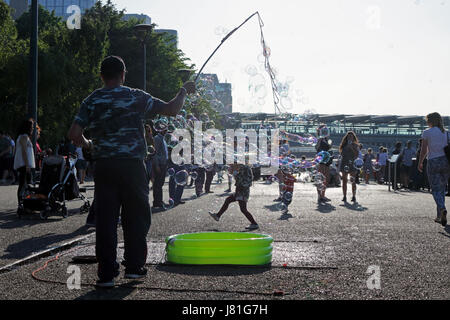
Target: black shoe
column 444, row 217
column 181, row 202
column 344, row 199
column 136, row 274
column 209, row 191
column 161, row 205
column 228, row 190
column 353, row 199
column 277, row 200
column 107, row 283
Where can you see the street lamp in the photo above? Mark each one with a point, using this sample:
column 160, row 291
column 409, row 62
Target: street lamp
column 143, row 30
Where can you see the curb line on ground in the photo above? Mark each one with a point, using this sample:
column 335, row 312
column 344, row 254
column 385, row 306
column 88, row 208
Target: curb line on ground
column 44, row 253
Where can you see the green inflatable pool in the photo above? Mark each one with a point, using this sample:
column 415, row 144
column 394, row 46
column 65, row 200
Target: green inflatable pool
column 219, row 248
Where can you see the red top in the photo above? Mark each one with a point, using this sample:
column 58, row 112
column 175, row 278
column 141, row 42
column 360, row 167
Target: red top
column 288, row 182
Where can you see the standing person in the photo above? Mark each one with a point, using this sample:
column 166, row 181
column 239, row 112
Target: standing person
column 382, row 158
column 323, row 167
column 435, row 139
column 367, row 166
column 81, row 164
column 150, row 152
column 396, row 166
column 349, row 149
column 6, row 154
column 360, row 156
column 159, row 168
column 406, row 164
column 24, row 160
column 114, row 115
column 176, row 188
column 210, row 173
column 200, row 181
column 244, row 180
column 288, row 180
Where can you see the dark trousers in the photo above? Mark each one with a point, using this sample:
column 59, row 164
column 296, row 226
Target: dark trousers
column 242, row 206
column 121, row 183
column 200, row 181
column 24, row 178
column 209, row 178
column 175, row 190
column 160, row 178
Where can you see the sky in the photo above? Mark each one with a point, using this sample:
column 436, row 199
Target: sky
column 380, row 57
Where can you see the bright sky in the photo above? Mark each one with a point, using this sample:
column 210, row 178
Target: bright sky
column 338, row 56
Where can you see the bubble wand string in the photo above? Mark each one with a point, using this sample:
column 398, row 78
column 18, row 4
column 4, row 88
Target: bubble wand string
column 266, row 53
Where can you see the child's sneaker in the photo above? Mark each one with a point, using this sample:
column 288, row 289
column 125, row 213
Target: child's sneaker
column 214, row 216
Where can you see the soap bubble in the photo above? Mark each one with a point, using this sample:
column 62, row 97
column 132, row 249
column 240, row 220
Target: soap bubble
column 376, row 166
column 170, row 204
column 324, row 132
column 287, row 196
column 181, row 177
column 160, row 125
column 358, row 163
column 251, row 70
column 151, row 150
column 194, row 175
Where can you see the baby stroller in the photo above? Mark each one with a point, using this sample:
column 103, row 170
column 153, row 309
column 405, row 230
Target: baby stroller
column 57, row 185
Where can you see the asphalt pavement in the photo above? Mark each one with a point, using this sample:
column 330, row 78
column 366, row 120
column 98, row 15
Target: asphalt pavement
column 386, row 246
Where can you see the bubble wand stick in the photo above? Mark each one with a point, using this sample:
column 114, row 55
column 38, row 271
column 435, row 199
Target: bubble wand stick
column 223, row 41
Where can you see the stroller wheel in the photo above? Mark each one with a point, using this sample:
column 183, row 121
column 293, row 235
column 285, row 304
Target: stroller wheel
column 43, row 215
column 85, row 208
column 64, row 212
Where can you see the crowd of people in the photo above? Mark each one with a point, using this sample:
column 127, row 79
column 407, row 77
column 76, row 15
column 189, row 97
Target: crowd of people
column 127, row 160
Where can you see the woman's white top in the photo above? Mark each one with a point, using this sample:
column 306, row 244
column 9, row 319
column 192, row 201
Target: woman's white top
column 436, row 142
column 19, row 160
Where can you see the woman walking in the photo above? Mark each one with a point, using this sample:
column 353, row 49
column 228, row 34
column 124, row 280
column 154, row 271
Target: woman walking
column 435, row 139
column 24, row 160
column 349, row 150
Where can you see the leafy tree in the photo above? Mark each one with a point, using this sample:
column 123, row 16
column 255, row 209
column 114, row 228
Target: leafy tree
column 69, row 65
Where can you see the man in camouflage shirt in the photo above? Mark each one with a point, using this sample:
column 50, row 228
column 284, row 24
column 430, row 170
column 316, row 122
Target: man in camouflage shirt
column 114, row 116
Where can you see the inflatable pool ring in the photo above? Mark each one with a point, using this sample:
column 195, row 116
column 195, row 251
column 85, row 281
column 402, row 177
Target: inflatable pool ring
column 219, row 248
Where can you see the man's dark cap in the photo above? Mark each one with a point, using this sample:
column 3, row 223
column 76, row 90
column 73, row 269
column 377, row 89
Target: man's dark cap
column 112, row 67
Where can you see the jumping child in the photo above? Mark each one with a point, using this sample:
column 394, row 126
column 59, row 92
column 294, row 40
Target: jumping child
column 244, row 179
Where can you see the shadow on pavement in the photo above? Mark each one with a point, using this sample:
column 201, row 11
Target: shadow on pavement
column 214, row 270
column 285, row 216
column 273, row 207
column 10, row 220
column 325, row 208
column 354, row 207
column 117, row 293
column 29, row 246
column 447, row 229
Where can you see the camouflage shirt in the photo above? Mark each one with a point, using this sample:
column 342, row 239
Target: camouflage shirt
column 114, row 117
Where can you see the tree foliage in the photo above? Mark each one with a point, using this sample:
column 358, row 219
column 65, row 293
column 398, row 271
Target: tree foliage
column 69, row 64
